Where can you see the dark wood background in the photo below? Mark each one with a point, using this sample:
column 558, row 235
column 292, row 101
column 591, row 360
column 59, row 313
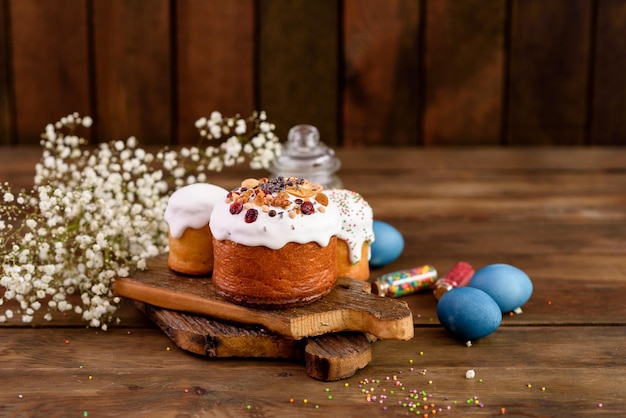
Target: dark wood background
column 366, row 72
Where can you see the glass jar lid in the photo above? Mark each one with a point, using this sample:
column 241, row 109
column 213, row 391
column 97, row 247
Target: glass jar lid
column 304, row 155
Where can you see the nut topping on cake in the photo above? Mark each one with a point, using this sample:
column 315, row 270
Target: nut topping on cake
column 322, row 199
column 273, row 212
column 301, row 188
column 275, row 193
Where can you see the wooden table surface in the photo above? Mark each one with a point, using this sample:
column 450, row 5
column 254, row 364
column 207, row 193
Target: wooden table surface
column 559, row 214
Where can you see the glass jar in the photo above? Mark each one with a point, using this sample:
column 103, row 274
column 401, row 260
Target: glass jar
column 305, row 156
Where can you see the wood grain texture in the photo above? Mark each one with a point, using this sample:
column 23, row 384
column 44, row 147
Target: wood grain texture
column 327, row 357
column 6, row 88
column 608, row 125
column 209, row 337
column 336, row 356
column 43, row 375
column 548, row 72
column 133, row 70
column 298, row 58
column 464, row 71
column 345, row 308
column 381, row 75
column 557, row 213
column 50, row 63
column 367, row 73
column 215, row 61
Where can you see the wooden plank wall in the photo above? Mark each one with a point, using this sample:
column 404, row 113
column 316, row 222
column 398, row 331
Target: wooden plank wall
column 366, row 72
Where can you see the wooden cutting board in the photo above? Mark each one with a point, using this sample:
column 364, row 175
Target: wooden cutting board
column 346, row 308
column 327, row 357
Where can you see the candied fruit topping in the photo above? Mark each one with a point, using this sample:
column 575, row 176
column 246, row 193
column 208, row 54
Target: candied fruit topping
column 236, row 207
column 296, row 196
column 251, row 215
column 307, row 208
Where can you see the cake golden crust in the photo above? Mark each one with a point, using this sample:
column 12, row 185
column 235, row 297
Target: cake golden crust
column 190, row 238
column 356, row 234
column 346, row 268
column 257, row 276
column 192, row 253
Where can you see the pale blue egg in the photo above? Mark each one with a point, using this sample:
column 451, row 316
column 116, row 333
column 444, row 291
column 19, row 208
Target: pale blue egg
column 387, row 246
column 509, row 286
column 468, row 313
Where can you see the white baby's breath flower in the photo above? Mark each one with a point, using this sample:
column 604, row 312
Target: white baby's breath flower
column 240, row 128
column 216, row 117
column 96, row 215
column 258, row 141
column 201, row 122
column 215, row 131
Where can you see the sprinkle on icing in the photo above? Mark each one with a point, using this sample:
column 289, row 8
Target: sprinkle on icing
column 271, row 213
column 357, row 225
column 191, row 207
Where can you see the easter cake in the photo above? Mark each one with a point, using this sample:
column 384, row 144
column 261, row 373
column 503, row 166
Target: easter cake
column 189, row 237
column 356, row 234
column 274, row 243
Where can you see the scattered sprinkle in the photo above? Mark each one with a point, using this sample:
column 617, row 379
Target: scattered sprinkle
column 390, row 392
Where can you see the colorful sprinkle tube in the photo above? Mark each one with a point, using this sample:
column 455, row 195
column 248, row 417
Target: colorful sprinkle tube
column 459, row 275
column 404, row 282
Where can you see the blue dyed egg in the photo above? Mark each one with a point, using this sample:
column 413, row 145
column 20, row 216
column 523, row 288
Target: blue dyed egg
column 509, row 286
column 387, row 246
column 468, row 313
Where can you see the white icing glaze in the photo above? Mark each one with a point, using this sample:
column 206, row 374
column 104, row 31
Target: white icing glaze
column 357, row 224
column 275, row 231
column 191, row 207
